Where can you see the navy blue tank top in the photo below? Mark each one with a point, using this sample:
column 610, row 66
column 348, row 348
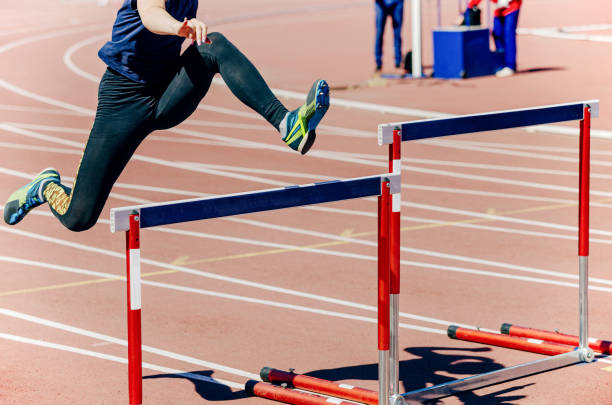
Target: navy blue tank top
column 139, row 54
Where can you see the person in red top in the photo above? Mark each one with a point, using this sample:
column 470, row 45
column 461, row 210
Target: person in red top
column 504, row 31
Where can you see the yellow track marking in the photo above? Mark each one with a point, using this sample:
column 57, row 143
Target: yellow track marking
column 184, row 260
column 347, row 233
column 78, row 283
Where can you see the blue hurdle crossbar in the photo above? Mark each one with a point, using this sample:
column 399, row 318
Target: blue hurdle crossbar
column 243, row 203
column 464, row 124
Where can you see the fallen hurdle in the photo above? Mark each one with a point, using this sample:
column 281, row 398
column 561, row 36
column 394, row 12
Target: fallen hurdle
column 132, row 219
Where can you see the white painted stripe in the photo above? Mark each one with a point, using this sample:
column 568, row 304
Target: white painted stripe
column 283, row 93
column 333, row 400
column 537, row 341
column 135, row 290
column 45, row 149
column 37, row 110
column 396, row 202
column 500, row 275
column 123, row 342
column 562, row 130
column 551, row 149
column 240, row 169
column 70, row 51
column 499, row 180
column 502, row 218
column 461, row 145
column 397, row 166
column 555, row 33
column 507, row 196
column 435, row 254
column 325, row 155
column 346, row 386
column 90, row 353
column 49, row 35
column 51, row 101
column 590, row 27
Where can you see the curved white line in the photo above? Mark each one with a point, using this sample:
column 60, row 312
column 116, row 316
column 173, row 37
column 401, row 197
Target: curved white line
column 72, row 66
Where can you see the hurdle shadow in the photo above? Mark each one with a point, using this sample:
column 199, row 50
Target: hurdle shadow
column 207, row 390
column 432, row 368
column 434, row 365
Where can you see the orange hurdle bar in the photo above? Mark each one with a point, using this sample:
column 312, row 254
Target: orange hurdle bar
column 598, row 345
column 510, row 342
column 319, row 385
column 289, row 396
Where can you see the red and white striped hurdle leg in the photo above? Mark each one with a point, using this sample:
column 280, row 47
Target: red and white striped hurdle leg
column 395, row 167
column 133, row 307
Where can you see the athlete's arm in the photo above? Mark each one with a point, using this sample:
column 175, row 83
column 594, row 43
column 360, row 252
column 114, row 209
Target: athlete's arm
column 156, row 19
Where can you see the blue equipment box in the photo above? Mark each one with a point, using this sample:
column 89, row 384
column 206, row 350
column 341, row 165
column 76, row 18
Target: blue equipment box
column 463, row 51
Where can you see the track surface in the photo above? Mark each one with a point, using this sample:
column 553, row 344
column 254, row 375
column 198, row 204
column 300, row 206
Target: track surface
column 493, row 214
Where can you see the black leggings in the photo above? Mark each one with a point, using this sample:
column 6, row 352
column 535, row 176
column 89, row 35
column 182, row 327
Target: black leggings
column 128, row 111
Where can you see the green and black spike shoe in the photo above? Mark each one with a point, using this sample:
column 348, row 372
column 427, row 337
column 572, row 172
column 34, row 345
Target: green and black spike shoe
column 29, row 196
column 301, row 123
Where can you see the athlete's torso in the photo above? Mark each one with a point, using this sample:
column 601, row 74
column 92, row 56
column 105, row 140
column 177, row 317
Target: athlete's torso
column 139, row 54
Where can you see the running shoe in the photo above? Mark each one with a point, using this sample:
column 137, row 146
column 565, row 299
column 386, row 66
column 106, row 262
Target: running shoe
column 29, row 196
column 301, row 123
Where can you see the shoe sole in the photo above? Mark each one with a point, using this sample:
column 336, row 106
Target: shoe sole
column 321, row 89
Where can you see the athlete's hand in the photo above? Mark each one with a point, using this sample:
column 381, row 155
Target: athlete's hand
column 195, row 30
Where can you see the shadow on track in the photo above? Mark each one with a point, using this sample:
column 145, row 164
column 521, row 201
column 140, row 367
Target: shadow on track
column 207, row 390
column 431, row 367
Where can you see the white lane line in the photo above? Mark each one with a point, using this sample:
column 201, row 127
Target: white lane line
column 414, row 205
column 313, row 176
column 501, row 218
column 500, row 180
column 506, row 196
column 326, row 154
column 280, row 92
column 282, row 290
column 117, row 359
column 460, row 145
column 240, row 169
column 37, row 110
column 557, row 34
column 552, row 149
column 43, row 99
column 49, row 35
column 323, row 209
column 120, row 342
column 241, row 298
column 586, row 28
column 70, row 51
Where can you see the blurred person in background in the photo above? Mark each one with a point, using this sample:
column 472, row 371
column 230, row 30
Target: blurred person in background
column 384, row 10
column 505, row 21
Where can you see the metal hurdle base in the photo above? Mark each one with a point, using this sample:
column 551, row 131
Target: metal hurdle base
column 496, row 377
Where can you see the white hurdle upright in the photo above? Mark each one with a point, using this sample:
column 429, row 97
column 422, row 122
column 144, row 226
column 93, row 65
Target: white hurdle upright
column 562, row 355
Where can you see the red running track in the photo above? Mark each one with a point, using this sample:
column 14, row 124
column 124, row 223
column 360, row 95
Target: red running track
column 488, row 221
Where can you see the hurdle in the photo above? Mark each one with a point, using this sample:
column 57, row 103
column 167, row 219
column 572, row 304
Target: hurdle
column 562, row 355
column 134, row 218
